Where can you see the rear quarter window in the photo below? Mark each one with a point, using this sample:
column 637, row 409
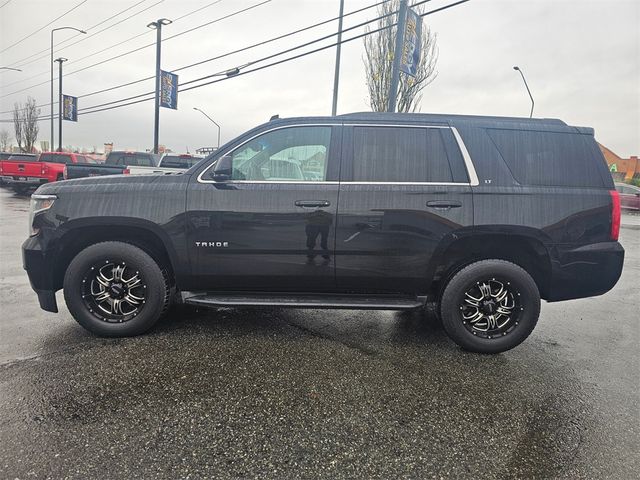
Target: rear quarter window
column 549, row 158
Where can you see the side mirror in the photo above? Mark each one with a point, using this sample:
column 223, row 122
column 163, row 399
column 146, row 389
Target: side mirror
column 223, row 169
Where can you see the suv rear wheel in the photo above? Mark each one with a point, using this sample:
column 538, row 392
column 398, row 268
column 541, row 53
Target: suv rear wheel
column 490, row 306
column 115, row 289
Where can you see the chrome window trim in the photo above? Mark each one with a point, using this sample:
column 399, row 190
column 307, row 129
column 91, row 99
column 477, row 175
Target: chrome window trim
column 471, row 171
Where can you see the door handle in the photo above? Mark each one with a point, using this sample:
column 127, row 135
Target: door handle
column 312, row 203
column 443, row 204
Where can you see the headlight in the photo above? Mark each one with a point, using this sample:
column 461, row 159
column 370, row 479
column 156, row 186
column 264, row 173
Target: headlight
column 39, row 203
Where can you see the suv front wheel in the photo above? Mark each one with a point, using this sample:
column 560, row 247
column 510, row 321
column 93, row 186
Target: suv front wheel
column 115, row 289
column 490, row 306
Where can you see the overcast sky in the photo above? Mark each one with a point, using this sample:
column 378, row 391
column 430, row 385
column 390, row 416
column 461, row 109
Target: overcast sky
column 581, row 59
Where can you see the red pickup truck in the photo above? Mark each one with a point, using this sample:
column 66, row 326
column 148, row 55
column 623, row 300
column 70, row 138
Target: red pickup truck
column 23, row 172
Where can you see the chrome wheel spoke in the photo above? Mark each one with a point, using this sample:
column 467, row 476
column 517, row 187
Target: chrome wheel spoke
column 102, row 280
column 132, row 300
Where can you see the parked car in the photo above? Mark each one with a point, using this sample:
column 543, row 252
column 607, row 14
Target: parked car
column 3, row 156
column 482, row 215
column 47, row 167
column 117, row 162
column 629, row 196
column 21, row 170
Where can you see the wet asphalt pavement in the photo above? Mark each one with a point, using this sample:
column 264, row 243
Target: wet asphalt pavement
column 315, row 394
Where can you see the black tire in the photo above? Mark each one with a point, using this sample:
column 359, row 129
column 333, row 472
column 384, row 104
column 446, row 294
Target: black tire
column 21, row 190
column 60, row 177
column 151, row 290
column 458, row 311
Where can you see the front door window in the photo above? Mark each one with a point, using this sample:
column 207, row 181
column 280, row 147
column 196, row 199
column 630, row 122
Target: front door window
column 297, row 154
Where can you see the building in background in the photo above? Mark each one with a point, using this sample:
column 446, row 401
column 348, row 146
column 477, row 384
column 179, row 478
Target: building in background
column 622, row 169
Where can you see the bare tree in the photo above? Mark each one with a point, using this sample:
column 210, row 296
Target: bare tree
column 378, row 60
column 4, row 140
column 25, row 124
column 17, row 125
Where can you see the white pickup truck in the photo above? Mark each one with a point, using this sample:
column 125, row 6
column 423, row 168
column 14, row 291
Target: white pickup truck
column 170, row 163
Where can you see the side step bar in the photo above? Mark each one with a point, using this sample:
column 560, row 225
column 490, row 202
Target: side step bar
column 302, row 301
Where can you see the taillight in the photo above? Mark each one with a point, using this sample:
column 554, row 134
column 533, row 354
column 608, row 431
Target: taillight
column 126, row 171
column 43, row 170
column 615, row 214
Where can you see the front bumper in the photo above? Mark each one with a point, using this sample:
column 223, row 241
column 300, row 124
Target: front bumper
column 585, row 271
column 39, row 265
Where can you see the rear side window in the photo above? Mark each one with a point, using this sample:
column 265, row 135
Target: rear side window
column 399, row 154
column 548, row 158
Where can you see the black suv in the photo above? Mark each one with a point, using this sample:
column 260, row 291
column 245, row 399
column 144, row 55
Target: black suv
column 483, row 215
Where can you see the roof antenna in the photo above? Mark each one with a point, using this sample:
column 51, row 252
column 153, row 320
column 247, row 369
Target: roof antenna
column 274, row 117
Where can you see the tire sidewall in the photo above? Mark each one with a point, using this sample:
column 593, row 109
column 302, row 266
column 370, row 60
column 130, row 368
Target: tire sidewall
column 155, row 293
column 528, row 300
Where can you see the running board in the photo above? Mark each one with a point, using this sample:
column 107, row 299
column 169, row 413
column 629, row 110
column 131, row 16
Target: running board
column 303, row 301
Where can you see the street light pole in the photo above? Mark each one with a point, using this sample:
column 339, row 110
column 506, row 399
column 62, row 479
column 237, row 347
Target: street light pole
column 336, row 77
column 213, row 121
column 156, row 124
column 528, row 91
column 60, row 61
column 55, row 30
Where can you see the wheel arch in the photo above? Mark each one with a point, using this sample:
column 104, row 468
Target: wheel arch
column 523, row 247
column 80, row 234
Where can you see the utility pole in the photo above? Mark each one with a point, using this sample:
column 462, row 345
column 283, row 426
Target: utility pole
column 156, row 125
column 395, row 70
column 60, row 61
column 336, row 77
column 527, row 87
column 51, row 51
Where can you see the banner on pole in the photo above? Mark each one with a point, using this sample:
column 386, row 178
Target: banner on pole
column 168, row 90
column 411, row 44
column 70, row 108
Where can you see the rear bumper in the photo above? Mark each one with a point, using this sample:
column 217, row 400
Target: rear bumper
column 39, row 265
column 28, row 182
column 586, row 271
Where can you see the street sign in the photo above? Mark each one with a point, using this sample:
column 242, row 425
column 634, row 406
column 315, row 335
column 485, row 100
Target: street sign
column 168, row 90
column 70, row 108
column 411, row 44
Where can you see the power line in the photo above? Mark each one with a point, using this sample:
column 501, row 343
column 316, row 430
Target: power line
column 44, row 26
column 84, row 37
column 273, row 39
column 268, row 57
column 289, row 59
column 237, row 12
column 5, row 3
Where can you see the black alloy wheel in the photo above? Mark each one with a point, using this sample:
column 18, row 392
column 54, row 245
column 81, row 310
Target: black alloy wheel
column 115, row 289
column 490, row 306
